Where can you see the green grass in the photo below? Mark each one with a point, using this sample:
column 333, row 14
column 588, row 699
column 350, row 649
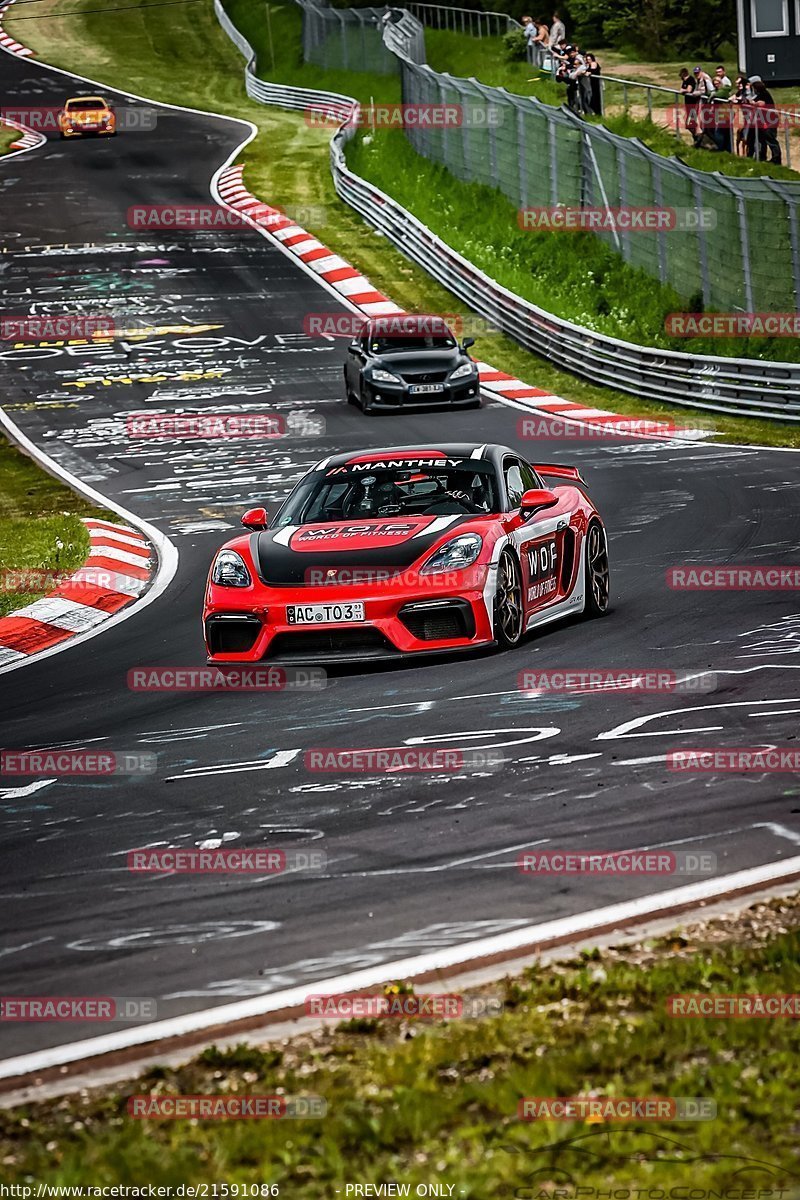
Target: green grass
column 7, row 137
column 280, row 60
column 155, row 52
column 41, row 525
column 415, row 1102
column 484, row 59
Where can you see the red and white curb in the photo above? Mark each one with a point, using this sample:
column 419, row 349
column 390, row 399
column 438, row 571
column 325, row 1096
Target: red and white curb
column 30, row 139
column 8, row 43
column 323, row 262
column 358, row 292
column 119, row 569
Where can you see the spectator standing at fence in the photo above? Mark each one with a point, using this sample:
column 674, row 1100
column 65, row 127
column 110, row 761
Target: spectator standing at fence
column 595, row 86
column 721, row 113
column 705, row 113
column 566, row 65
column 570, row 72
column 704, row 82
column 558, row 31
column 767, row 121
column 742, row 98
column 752, row 121
column 542, row 39
column 690, row 99
column 580, row 75
column 536, row 34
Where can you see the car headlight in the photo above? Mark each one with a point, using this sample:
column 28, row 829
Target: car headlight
column 230, row 571
column 459, row 552
column 381, row 376
column 465, row 369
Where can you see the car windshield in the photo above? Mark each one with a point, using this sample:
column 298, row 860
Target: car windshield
column 359, row 491
column 86, row 104
column 393, row 345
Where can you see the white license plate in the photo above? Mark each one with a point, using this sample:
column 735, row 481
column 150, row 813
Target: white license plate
column 419, row 388
column 323, row 614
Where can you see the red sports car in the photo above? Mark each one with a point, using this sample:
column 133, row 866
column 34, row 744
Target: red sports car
column 391, row 553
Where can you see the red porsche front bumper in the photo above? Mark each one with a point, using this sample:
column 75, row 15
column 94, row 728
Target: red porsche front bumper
column 251, row 624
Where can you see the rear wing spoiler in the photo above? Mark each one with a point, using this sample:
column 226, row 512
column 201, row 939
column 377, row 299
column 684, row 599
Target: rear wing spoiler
column 559, row 472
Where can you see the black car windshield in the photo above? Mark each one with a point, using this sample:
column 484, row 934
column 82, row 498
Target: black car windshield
column 360, row 491
column 395, row 345
column 88, row 105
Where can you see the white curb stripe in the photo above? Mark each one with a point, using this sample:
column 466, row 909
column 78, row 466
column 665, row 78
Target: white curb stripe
column 124, row 539
column 122, row 556
column 64, row 614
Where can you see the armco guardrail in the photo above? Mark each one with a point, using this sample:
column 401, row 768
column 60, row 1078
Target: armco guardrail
column 737, row 386
column 272, row 93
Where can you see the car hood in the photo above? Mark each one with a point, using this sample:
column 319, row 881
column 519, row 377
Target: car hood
column 299, row 555
column 419, row 362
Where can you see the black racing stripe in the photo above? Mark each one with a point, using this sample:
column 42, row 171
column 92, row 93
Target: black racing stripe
column 280, row 566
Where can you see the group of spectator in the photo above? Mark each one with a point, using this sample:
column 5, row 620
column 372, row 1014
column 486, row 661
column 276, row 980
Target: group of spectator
column 580, row 71
column 548, row 46
column 711, row 117
column 542, row 37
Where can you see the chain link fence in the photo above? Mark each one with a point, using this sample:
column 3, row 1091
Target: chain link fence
column 464, row 20
column 737, row 244
column 737, row 247
column 352, row 39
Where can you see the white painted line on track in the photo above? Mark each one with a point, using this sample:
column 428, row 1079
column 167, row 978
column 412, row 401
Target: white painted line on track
column 504, row 946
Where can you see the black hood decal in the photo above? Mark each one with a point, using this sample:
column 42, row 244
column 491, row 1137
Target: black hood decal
column 281, row 565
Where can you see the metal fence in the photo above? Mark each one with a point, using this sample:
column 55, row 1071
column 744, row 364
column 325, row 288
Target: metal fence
column 744, row 252
column 748, row 387
column 463, row 20
column 348, row 39
column 738, row 243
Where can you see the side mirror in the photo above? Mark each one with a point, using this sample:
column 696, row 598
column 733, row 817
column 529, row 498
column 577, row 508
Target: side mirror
column 467, row 342
column 255, row 518
column 536, row 499
column 353, row 347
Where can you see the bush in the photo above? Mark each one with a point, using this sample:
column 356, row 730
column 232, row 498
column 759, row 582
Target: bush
column 515, row 45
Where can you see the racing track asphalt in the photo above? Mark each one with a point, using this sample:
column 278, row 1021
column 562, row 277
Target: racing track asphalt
column 415, row 862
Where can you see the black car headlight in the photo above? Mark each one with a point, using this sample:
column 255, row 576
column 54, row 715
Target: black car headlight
column 459, row 552
column 229, row 570
column 466, row 369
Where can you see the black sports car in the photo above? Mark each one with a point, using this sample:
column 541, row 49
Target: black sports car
column 387, row 370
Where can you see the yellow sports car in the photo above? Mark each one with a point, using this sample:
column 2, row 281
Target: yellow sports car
column 83, row 115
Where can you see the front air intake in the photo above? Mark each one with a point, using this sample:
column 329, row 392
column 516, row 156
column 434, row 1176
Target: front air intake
column 234, row 634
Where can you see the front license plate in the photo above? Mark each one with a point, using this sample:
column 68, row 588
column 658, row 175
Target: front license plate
column 424, row 388
column 323, row 614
